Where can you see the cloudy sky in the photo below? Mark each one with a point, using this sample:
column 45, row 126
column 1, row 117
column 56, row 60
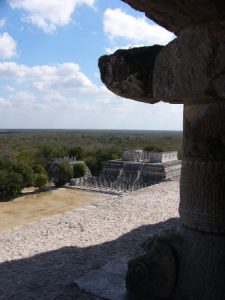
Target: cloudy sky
column 48, row 65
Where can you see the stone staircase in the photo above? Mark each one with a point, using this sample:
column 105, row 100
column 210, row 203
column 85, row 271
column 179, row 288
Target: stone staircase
column 128, row 172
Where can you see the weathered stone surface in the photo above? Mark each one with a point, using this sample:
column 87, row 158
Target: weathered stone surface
column 152, row 276
column 204, row 132
column 129, row 73
column 203, row 193
column 175, row 15
column 189, row 70
column 201, row 261
column 107, row 282
column 202, row 204
column 192, row 67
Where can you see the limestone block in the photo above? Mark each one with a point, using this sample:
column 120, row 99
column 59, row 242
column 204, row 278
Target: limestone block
column 189, row 70
column 175, row 15
column 204, row 132
column 153, row 275
column 129, row 73
column 192, row 67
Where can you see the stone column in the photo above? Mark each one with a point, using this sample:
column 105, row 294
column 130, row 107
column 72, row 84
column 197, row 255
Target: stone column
column 186, row 262
column 200, row 252
column 202, row 205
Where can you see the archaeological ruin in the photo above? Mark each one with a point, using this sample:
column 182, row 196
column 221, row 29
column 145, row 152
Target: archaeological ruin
column 136, row 169
column 143, row 167
column 186, row 262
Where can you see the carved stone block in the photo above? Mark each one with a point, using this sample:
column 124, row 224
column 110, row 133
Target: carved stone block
column 152, row 276
column 129, row 73
column 202, row 205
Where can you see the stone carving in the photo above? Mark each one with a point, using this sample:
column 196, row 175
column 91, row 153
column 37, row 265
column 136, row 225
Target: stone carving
column 189, row 70
column 153, row 276
column 203, row 193
column 172, row 73
column 204, row 131
column 129, row 74
column 194, row 76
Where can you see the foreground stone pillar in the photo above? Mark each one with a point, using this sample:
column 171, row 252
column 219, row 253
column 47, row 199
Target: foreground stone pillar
column 202, row 205
column 187, row 262
column 201, row 254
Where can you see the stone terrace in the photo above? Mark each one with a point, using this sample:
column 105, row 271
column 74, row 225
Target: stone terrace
column 52, row 258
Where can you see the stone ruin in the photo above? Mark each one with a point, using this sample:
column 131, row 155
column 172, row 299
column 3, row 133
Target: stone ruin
column 149, row 156
column 53, row 164
column 70, row 160
column 142, row 168
column 187, row 262
column 136, row 170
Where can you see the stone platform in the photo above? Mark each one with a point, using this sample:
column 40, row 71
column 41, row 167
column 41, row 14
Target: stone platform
column 145, row 172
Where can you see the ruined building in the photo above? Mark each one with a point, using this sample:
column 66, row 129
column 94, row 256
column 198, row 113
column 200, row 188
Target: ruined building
column 142, row 167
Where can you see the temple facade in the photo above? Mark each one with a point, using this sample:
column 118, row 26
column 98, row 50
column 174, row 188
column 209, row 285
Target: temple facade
column 149, row 156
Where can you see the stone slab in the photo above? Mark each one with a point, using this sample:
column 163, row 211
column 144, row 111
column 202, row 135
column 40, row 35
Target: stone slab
column 175, row 15
column 107, row 282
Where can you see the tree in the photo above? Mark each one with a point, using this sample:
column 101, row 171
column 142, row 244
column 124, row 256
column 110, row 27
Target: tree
column 26, row 172
column 77, row 152
column 38, row 169
column 103, row 155
column 11, row 183
column 61, row 173
column 40, row 176
column 154, row 148
column 79, row 170
column 46, row 153
column 92, row 164
column 41, row 180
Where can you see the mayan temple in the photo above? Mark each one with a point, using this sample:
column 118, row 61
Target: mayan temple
column 142, row 167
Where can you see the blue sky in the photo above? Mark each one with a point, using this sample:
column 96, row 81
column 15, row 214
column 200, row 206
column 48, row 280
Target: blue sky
column 48, row 65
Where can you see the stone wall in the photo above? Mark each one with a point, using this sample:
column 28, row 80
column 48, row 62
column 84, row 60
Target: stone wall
column 149, row 156
column 161, row 157
column 137, row 155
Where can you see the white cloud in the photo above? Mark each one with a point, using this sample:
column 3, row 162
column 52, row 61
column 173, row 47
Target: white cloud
column 118, row 24
column 22, row 98
column 66, row 76
column 52, row 83
column 2, row 23
column 61, row 96
column 9, row 88
column 48, row 14
column 4, row 102
column 7, row 46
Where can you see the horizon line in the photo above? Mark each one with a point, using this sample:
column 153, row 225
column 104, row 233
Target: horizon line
column 106, row 129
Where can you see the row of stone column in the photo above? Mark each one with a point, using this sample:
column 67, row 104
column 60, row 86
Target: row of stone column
column 97, row 183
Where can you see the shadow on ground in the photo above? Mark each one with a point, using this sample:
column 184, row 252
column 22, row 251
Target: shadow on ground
column 51, row 275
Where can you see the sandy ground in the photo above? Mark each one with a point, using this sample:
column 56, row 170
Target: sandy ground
column 34, row 207
column 41, row 260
